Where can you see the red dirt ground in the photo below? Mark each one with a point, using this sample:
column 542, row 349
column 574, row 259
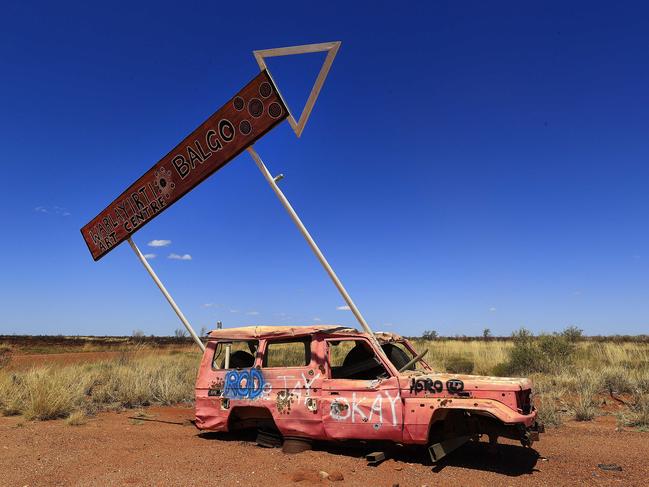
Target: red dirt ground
column 163, row 448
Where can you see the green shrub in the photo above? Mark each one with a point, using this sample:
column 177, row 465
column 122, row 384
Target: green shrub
column 556, row 352
column 459, row 364
column 524, row 356
column 573, row 334
column 546, row 353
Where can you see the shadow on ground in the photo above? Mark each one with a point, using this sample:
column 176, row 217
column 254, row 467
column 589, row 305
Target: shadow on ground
column 510, row 460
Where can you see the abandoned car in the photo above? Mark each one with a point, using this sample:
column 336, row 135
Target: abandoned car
column 332, row 383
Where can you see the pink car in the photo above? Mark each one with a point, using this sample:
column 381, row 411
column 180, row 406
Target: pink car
column 330, row 383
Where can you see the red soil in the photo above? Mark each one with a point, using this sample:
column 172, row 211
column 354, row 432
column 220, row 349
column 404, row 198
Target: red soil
column 163, row 448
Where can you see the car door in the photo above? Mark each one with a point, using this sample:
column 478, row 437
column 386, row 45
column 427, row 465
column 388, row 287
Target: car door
column 360, row 395
column 293, row 381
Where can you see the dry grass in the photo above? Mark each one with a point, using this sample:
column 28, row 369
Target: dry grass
column 76, row 418
column 59, row 392
column 598, row 373
column 485, row 355
column 615, row 373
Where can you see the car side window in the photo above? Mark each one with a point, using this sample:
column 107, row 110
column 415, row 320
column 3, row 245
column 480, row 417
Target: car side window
column 288, row 353
column 354, row 359
column 234, row 354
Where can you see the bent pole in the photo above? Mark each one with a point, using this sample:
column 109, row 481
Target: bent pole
column 166, row 294
column 316, row 250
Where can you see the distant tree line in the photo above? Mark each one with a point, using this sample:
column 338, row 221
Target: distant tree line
column 571, row 333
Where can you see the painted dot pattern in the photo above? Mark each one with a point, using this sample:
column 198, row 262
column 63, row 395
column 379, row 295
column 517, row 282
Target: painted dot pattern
column 275, row 109
column 265, row 90
column 238, row 103
column 244, row 127
column 255, row 107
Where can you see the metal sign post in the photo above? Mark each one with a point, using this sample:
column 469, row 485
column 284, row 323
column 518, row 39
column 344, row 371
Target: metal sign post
column 309, row 239
column 166, row 294
column 331, row 48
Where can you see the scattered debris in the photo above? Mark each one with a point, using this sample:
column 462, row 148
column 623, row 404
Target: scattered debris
column 269, row 439
column 375, row 458
column 610, row 466
column 296, row 445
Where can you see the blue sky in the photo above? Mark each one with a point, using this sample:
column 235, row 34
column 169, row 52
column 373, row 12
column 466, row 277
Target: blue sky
column 468, row 165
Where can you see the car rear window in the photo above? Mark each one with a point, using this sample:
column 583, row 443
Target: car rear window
column 241, row 354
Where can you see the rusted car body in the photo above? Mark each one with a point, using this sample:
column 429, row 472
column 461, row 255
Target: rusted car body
column 329, row 383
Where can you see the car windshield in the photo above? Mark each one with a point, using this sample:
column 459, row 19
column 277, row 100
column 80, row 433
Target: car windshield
column 400, row 354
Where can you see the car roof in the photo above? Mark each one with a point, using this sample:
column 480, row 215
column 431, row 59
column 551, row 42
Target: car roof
column 252, row 332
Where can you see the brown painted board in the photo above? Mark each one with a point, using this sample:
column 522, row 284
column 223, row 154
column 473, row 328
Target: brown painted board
column 251, row 113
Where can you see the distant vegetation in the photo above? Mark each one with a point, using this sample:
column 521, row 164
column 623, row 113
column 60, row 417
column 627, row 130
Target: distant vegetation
column 65, row 344
column 574, row 376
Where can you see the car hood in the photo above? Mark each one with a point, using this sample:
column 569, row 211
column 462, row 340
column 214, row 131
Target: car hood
column 472, row 382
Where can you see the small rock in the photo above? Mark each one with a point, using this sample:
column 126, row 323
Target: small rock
column 323, row 474
column 398, row 467
column 336, row 476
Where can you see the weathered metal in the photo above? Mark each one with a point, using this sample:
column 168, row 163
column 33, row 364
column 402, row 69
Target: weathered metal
column 375, row 458
column 439, row 450
column 312, row 399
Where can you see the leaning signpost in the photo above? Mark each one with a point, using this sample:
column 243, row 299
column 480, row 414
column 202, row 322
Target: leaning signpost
column 245, row 118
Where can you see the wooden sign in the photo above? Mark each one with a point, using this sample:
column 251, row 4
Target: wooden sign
column 255, row 110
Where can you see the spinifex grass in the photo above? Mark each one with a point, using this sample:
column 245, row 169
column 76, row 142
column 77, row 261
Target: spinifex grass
column 56, row 392
column 615, row 372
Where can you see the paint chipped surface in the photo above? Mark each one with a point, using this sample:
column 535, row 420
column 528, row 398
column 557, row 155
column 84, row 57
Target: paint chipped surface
column 312, row 401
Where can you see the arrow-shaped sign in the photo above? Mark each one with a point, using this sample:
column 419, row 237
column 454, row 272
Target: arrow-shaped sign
column 252, row 112
column 331, row 48
column 238, row 124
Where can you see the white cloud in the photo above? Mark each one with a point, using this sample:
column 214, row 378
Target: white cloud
column 342, row 308
column 316, row 319
column 55, row 210
column 179, row 257
column 149, row 256
column 210, row 305
column 159, row 243
column 234, row 311
column 492, row 309
column 252, row 313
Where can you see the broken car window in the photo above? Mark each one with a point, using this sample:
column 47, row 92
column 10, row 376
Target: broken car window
column 354, row 359
column 236, row 354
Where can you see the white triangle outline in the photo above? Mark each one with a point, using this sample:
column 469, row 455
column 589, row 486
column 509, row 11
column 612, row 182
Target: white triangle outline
column 330, row 47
